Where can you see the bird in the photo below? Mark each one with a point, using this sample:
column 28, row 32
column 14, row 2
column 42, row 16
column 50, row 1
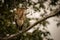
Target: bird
column 20, row 18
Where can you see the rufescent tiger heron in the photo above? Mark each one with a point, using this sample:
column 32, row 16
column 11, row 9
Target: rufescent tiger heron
column 20, row 18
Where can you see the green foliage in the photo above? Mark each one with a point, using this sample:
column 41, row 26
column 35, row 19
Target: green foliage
column 6, row 22
column 7, row 19
column 36, row 35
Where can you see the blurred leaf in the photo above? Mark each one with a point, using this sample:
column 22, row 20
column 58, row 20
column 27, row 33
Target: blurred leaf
column 58, row 24
column 53, row 2
column 44, row 23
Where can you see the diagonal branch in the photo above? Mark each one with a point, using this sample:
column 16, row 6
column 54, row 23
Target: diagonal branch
column 52, row 14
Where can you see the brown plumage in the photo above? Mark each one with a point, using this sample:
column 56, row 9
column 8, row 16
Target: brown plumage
column 20, row 17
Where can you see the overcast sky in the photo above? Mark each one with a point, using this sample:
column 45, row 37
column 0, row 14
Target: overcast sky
column 55, row 32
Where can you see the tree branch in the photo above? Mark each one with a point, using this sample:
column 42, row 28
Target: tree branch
column 52, row 14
